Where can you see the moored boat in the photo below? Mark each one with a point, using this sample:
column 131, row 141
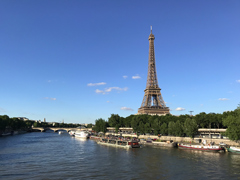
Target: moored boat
column 200, row 147
column 124, row 143
column 162, row 143
column 72, row 133
column 62, row 132
column 233, row 149
column 166, row 144
column 81, row 134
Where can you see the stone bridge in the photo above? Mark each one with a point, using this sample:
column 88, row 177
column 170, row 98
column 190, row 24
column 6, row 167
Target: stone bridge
column 56, row 129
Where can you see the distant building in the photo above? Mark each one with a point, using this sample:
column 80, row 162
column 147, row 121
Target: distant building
column 38, row 121
column 52, row 123
column 23, row 118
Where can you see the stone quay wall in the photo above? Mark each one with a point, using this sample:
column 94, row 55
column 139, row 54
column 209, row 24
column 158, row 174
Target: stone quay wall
column 181, row 139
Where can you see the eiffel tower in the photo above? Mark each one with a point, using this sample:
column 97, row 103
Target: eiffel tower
column 153, row 103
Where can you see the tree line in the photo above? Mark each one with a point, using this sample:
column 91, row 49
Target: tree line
column 183, row 125
column 64, row 125
column 14, row 124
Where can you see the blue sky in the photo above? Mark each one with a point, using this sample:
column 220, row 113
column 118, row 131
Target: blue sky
column 78, row 61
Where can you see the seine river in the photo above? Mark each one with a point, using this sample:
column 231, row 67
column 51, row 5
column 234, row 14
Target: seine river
column 53, row 156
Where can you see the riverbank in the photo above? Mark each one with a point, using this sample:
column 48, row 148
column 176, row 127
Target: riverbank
column 190, row 140
column 164, row 144
column 182, row 139
column 11, row 133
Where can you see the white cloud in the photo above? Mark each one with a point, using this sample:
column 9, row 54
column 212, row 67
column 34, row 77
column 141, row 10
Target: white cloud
column 179, row 109
column 96, row 84
column 136, row 77
column 223, row 99
column 49, row 81
column 107, row 90
column 99, row 91
column 116, row 88
column 238, row 81
column 126, row 109
column 125, row 77
column 52, row 99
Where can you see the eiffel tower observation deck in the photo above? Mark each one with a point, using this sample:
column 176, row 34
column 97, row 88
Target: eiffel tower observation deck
column 153, row 103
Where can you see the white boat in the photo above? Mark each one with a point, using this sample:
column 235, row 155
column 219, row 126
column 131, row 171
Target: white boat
column 61, row 132
column 234, row 149
column 81, row 134
column 72, row 133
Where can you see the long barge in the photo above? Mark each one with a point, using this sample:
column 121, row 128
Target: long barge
column 209, row 148
column 163, row 143
column 119, row 143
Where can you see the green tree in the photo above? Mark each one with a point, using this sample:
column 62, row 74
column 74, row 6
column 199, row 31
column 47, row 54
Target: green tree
column 57, row 125
column 114, row 120
column 141, row 127
column 4, row 120
column 171, row 128
column 135, row 123
column 100, row 125
column 201, row 120
column 29, row 123
column 190, row 127
column 182, row 118
column 219, row 122
column 232, row 122
column 35, row 124
column 164, row 129
column 147, row 128
column 89, row 125
column 127, row 121
column 179, row 129
column 156, row 126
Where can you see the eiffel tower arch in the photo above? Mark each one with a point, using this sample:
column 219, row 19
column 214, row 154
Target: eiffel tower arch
column 153, row 103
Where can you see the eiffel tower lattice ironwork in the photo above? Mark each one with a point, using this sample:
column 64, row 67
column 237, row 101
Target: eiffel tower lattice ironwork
column 153, row 103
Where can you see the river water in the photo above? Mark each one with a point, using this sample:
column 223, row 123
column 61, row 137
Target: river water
column 52, row 156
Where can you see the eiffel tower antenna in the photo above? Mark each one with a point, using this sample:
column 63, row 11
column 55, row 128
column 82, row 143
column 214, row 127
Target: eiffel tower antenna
column 153, row 103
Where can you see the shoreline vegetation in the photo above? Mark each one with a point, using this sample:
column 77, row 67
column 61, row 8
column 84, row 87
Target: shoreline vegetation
column 180, row 126
column 168, row 125
column 10, row 125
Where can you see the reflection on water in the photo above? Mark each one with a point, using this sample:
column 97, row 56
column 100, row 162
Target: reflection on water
column 81, row 139
column 53, row 156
